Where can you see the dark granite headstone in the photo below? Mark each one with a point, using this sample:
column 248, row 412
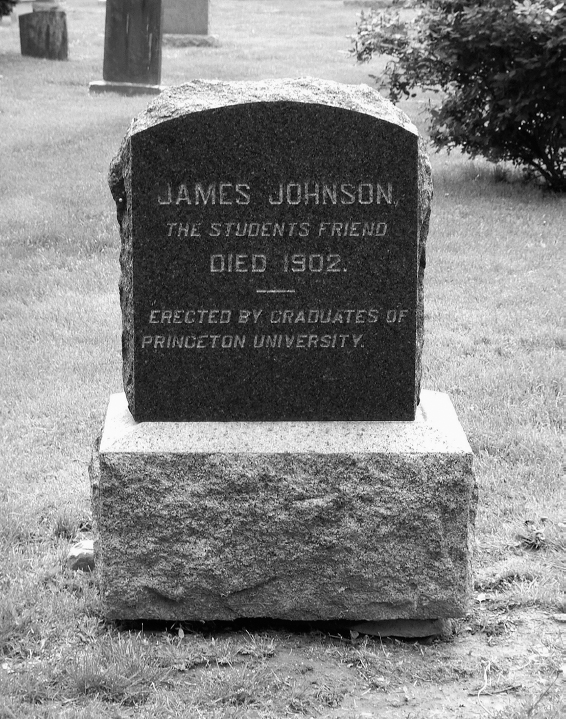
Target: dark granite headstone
column 272, row 254
column 44, row 34
column 132, row 42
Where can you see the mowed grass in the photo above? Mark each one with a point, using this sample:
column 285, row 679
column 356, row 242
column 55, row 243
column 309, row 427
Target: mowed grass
column 494, row 342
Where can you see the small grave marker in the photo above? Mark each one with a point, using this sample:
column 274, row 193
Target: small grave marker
column 43, row 32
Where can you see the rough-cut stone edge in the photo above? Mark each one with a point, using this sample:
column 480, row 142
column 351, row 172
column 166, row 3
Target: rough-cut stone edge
column 424, row 185
column 114, row 453
column 135, row 596
column 202, row 95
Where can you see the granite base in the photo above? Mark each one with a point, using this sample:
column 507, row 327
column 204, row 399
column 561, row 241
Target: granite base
column 358, row 521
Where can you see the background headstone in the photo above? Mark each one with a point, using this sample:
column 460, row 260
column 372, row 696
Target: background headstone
column 273, row 241
column 185, row 17
column 186, row 23
column 43, row 32
column 132, row 47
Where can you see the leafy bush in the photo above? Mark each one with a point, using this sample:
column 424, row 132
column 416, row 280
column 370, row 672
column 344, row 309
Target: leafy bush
column 6, row 6
column 501, row 68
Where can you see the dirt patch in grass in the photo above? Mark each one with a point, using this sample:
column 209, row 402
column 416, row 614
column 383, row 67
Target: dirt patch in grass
column 513, row 668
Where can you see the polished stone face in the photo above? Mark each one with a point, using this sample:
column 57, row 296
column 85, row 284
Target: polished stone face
column 271, row 263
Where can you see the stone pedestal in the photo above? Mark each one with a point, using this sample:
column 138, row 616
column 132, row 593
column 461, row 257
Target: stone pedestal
column 290, row 520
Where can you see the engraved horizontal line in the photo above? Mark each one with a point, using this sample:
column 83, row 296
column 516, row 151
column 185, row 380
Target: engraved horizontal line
column 273, row 292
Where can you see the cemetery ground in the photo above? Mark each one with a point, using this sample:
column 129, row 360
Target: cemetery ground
column 494, row 343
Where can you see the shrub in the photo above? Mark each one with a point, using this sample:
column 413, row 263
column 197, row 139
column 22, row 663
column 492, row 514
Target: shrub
column 6, row 6
column 500, row 66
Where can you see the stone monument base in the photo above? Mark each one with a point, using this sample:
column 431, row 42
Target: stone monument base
column 289, row 520
column 124, row 88
column 183, row 40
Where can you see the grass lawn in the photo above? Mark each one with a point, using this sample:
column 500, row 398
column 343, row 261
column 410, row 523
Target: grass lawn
column 494, row 342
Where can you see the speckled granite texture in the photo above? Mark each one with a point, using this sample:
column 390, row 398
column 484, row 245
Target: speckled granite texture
column 262, row 134
column 299, row 521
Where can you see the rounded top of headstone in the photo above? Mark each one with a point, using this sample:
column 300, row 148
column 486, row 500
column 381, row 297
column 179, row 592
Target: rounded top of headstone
column 201, row 95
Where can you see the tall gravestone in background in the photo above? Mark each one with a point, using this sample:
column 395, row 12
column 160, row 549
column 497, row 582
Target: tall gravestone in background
column 273, row 239
column 185, row 17
column 132, row 48
column 186, row 22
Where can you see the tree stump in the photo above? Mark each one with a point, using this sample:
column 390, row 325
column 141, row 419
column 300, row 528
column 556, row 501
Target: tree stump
column 44, row 34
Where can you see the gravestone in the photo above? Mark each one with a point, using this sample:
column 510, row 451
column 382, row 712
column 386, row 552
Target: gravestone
column 186, row 23
column 272, row 258
column 132, row 48
column 278, row 279
column 43, row 32
column 185, row 17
